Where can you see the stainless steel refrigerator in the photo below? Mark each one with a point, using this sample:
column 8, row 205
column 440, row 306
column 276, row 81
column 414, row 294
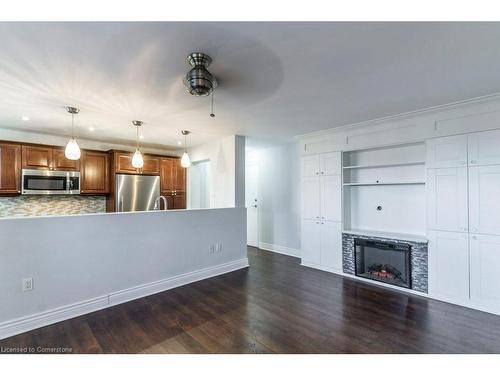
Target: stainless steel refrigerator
column 136, row 192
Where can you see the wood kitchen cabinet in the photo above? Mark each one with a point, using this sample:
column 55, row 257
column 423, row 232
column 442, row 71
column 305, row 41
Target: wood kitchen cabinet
column 46, row 157
column 10, row 168
column 123, row 164
column 94, row 172
column 173, row 182
column 179, row 176
column 166, row 174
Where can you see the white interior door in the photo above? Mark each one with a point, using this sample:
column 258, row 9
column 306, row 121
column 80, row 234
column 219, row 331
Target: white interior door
column 447, row 199
column 447, row 152
column 252, row 203
column 484, row 199
column 449, row 266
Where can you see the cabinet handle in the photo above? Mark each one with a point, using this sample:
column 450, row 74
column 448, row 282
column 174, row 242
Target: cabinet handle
column 473, row 161
column 322, row 172
column 317, row 217
column 322, row 223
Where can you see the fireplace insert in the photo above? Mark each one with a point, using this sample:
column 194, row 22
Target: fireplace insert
column 383, row 261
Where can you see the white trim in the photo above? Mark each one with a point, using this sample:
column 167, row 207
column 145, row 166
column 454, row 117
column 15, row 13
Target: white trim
column 400, row 116
column 290, row 251
column 28, row 323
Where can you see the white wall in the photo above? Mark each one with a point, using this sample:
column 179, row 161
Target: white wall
column 84, row 263
column 279, row 199
column 227, row 160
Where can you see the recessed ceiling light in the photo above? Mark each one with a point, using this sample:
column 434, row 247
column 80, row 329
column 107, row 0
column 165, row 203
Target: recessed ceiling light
column 141, row 137
column 25, row 118
column 179, row 143
column 91, row 129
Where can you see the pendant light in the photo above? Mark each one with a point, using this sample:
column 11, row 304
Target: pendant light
column 137, row 159
column 72, row 150
column 185, row 160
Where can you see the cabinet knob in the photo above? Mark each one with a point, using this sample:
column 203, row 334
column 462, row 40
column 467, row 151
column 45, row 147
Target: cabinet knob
column 473, row 161
column 474, row 237
column 474, row 229
column 322, row 223
column 317, row 222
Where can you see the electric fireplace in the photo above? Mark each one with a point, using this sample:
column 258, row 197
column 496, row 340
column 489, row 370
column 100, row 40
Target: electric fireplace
column 386, row 262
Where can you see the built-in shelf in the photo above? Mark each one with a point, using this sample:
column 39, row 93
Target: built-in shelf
column 384, row 165
column 384, row 183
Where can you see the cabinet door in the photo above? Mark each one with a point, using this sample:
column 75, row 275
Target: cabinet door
column 166, row 174
column 447, row 199
column 179, row 201
column 330, row 164
column 331, row 198
column 449, row 266
column 37, row 157
column 484, row 148
column 123, row 163
column 447, row 152
column 310, row 166
column 331, row 245
column 10, row 167
column 61, row 163
column 151, row 165
column 311, row 198
column 484, row 270
column 94, row 172
column 310, row 242
column 484, row 199
column 179, row 174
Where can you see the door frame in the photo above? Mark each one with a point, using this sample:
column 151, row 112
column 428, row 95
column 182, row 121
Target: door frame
column 257, row 188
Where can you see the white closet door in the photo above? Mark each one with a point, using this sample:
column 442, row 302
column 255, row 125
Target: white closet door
column 331, row 198
column 330, row 164
column 484, row 199
column 310, row 248
column 311, row 198
column 447, row 152
column 331, row 245
column 310, row 166
column 449, row 266
column 484, row 148
column 484, row 270
column 447, row 199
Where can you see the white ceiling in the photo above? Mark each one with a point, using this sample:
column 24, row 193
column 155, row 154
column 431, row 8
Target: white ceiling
column 276, row 80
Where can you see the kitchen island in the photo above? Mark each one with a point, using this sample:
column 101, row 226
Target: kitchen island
column 84, row 263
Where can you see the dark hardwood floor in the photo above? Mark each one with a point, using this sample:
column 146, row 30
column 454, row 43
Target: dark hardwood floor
column 275, row 306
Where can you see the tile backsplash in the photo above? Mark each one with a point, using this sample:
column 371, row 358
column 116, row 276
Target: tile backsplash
column 47, row 205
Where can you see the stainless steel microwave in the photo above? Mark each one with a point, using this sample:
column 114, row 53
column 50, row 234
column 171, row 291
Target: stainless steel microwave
column 37, row 181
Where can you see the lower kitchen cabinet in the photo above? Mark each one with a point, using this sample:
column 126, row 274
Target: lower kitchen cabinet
column 449, row 266
column 484, row 271
column 179, row 201
column 322, row 244
column 10, row 168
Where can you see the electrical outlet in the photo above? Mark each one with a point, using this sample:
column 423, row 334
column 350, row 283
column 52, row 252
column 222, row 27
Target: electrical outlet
column 27, row 284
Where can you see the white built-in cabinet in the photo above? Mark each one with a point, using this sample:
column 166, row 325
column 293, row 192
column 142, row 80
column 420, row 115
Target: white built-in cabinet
column 322, row 211
column 449, row 265
column 463, row 218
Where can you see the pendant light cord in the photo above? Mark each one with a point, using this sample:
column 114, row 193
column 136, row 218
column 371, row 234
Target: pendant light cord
column 137, row 138
column 73, row 125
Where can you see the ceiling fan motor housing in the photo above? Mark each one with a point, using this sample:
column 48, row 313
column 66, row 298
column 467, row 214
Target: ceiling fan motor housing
column 199, row 81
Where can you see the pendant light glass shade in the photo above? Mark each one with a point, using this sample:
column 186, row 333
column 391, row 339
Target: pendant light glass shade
column 185, row 160
column 137, row 159
column 72, row 150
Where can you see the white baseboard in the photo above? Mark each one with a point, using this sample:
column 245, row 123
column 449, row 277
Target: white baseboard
column 280, row 249
column 28, row 323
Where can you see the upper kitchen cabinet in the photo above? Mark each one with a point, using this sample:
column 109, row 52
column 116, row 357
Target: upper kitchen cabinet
column 10, row 167
column 447, row 152
column 46, row 157
column 166, row 174
column 484, row 203
column 310, row 166
column 37, row 157
column 94, row 172
column 483, row 148
column 61, row 163
column 179, row 174
column 123, row 164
